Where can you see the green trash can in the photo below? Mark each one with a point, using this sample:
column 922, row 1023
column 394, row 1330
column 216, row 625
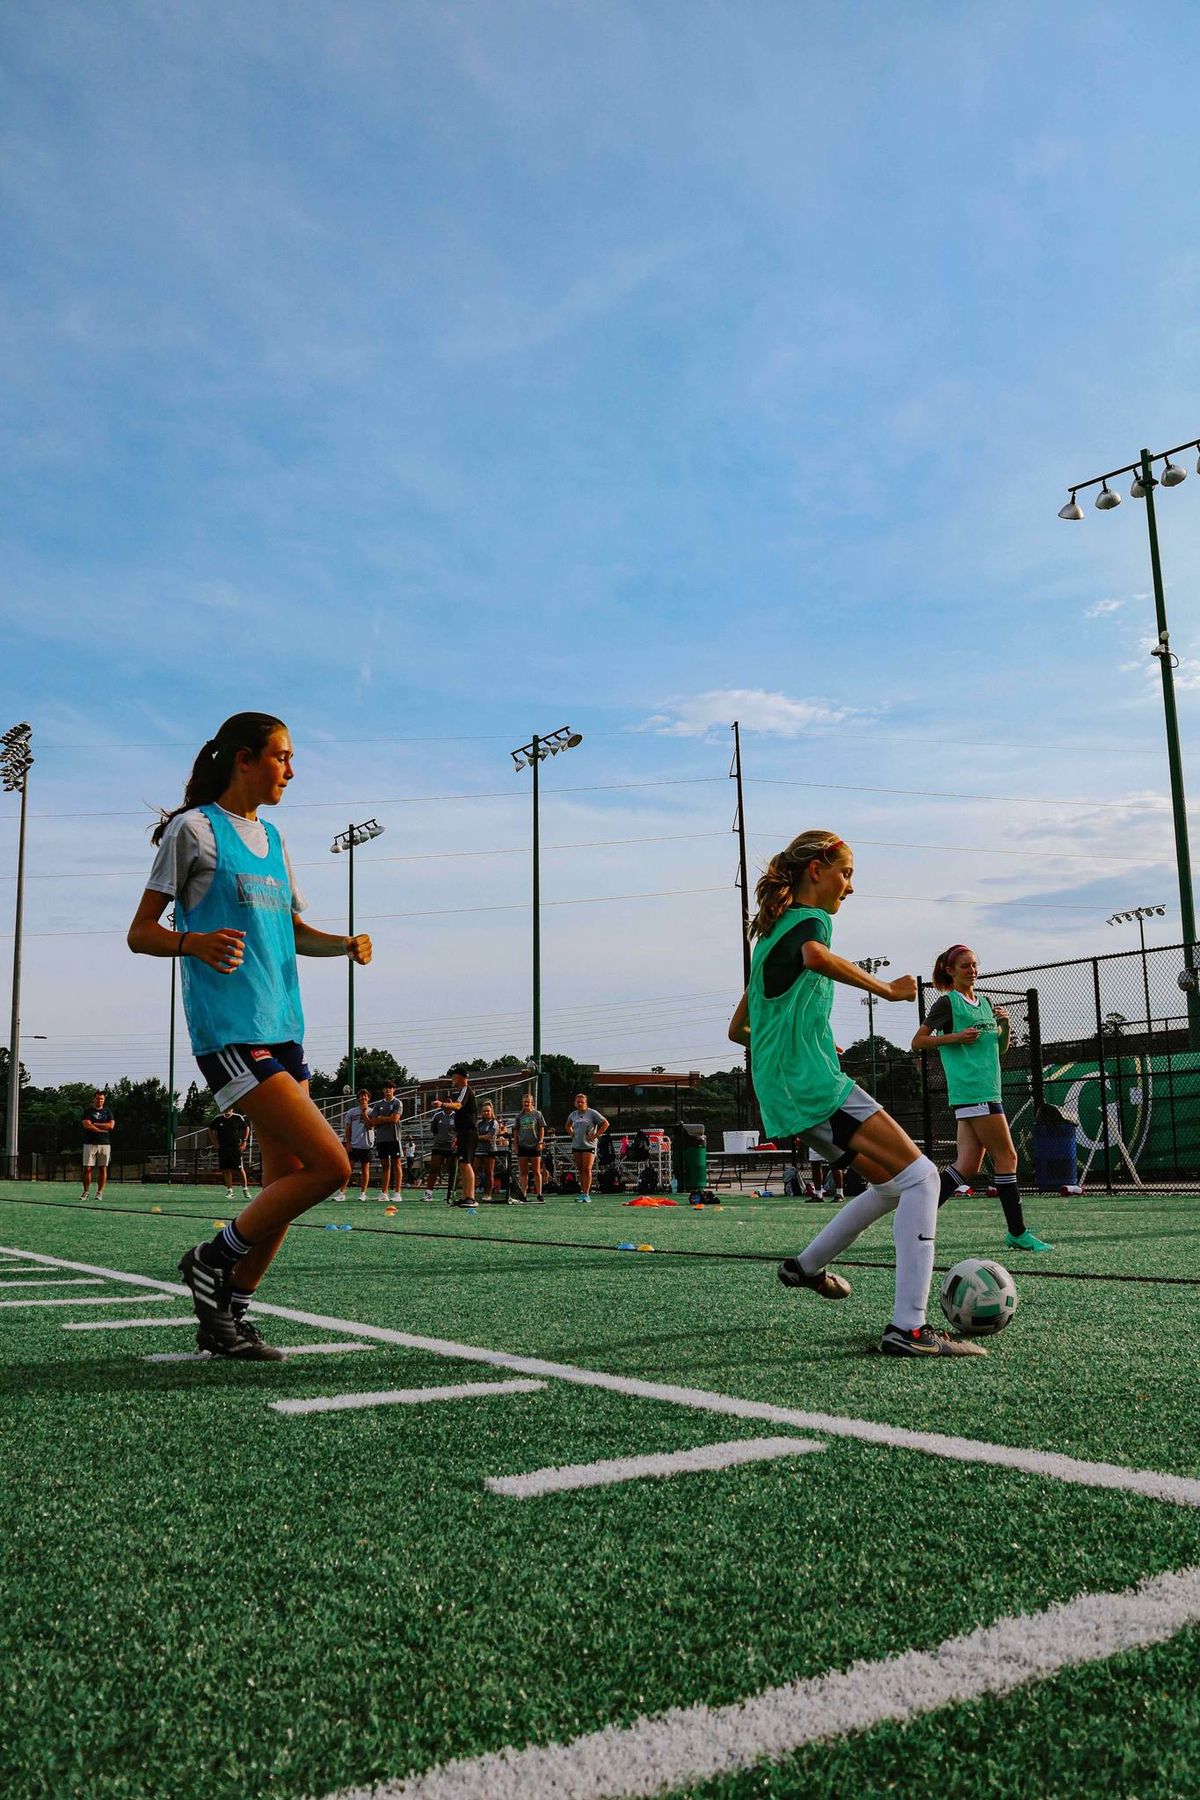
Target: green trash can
column 689, row 1152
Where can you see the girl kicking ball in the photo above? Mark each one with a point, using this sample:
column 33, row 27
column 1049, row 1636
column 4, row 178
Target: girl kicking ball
column 971, row 1035
column 237, row 907
column 802, row 1091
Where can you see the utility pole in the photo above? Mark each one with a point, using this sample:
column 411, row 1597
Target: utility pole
column 16, row 760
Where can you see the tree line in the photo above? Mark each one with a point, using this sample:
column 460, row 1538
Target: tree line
column 50, row 1116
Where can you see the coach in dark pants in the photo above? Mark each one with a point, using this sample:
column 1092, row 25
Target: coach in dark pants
column 467, row 1110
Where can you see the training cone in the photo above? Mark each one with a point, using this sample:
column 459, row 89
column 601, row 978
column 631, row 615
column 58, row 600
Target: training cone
column 331, row 1228
column 389, row 1212
column 218, row 1224
column 156, row 1209
column 645, row 1246
column 626, row 1246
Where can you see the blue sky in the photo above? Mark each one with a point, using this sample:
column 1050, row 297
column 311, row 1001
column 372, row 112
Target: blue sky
column 432, row 374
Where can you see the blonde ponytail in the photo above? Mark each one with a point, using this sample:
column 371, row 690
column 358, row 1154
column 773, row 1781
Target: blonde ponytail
column 777, row 884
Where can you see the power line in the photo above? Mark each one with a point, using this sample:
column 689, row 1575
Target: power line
column 842, row 787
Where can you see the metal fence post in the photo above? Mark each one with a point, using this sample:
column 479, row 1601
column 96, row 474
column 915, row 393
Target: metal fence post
column 1037, row 1086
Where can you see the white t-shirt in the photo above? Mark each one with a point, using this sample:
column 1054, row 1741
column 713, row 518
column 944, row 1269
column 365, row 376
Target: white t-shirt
column 186, row 860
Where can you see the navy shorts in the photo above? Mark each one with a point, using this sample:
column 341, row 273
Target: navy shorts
column 978, row 1109
column 233, row 1072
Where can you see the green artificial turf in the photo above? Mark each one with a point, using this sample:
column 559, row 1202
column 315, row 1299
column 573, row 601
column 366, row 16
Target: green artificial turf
column 205, row 1599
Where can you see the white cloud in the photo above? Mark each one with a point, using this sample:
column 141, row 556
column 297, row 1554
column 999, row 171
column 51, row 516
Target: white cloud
column 756, row 709
column 1102, row 608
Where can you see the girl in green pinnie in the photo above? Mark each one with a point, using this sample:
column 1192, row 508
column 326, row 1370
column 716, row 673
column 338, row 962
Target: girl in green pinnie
column 971, row 1035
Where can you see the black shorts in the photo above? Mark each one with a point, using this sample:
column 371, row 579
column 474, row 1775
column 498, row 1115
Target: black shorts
column 384, row 1147
column 237, row 1070
column 468, row 1146
column 232, row 1160
column 361, row 1156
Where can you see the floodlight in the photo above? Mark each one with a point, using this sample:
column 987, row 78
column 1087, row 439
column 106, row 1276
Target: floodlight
column 576, row 737
column 1072, row 510
column 1138, row 490
column 1173, row 474
column 1106, row 500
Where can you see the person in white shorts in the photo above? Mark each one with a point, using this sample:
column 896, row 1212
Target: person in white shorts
column 97, row 1129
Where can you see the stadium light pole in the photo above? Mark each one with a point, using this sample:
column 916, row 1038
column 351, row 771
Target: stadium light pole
column 735, row 775
column 16, row 760
column 1141, row 913
column 1107, row 500
column 872, row 965
column 348, row 841
column 531, row 756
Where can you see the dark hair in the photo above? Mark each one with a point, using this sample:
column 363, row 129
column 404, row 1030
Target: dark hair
column 213, row 768
column 943, row 972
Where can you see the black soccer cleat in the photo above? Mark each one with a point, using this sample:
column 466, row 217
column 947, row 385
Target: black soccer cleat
column 925, row 1341
column 211, row 1290
column 249, row 1345
column 830, row 1287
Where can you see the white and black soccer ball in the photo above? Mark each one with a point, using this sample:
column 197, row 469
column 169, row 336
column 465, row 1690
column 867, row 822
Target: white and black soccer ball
column 979, row 1297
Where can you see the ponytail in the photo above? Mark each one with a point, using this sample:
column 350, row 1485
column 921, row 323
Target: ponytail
column 943, row 978
column 213, row 768
column 777, row 884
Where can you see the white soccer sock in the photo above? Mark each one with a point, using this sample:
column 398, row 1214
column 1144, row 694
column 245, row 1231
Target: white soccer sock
column 847, row 1224
column 914, row 1230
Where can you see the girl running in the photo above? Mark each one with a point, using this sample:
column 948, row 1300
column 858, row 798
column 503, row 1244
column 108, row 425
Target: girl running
column 239, row 908
column 971, row 1035
column 803, row 1092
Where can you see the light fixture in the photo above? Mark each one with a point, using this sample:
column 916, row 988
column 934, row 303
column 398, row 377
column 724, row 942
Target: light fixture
column 1072, row 510
column 1198, row 461
column 1173, row 474
column 1138, row 490
column 1106, row 500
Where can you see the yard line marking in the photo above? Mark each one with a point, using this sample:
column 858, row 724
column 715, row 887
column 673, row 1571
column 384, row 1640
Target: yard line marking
column 54, row 1281
column 464, row 1390
column 687, row 1745
column 91, row 1300
column 166, row 1356
column 126, row 1324
column 634, row 1468
column 1178, row 1490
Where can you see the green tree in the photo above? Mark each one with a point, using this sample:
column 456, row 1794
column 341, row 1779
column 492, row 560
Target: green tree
column 372, row 1069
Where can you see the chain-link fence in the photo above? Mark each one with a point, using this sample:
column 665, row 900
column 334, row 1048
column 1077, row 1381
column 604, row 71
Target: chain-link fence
column 1101, row 1080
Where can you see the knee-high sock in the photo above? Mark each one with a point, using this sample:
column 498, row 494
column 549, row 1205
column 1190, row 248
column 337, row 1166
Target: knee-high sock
column 1010, row 1200
column 914, row 1230
column 848, row 1223
column 951, row 1181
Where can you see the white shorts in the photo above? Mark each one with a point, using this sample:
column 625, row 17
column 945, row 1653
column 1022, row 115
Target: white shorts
column 95, row 1156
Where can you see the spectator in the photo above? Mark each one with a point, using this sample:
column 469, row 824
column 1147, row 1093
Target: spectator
column 98, row 1125
column 466, row 1131
column 441, row 1149
column 586, row 1126
column 489, row 1139
column 359, row 1139
column 229, row 1133
column 409, row 1152
column 385, row 1116
column 530, row 1134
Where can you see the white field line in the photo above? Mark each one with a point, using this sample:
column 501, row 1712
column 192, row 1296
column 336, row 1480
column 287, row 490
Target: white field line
column 167, row 1356
column 32, row 1280
column 635, row 1468
column 688, row 1745
column 464, row 1390
column 126, row 1324
column 90, row 1300
column 1178, row 1490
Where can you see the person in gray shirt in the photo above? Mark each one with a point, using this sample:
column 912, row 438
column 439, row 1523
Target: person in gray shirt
column 529, row 1133
column 587, row 1127
column 442, row 1148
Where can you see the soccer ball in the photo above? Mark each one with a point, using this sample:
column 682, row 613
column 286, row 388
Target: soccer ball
column 979, row 1297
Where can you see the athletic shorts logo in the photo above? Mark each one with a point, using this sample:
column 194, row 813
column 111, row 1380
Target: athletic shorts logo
column 261, row 1055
